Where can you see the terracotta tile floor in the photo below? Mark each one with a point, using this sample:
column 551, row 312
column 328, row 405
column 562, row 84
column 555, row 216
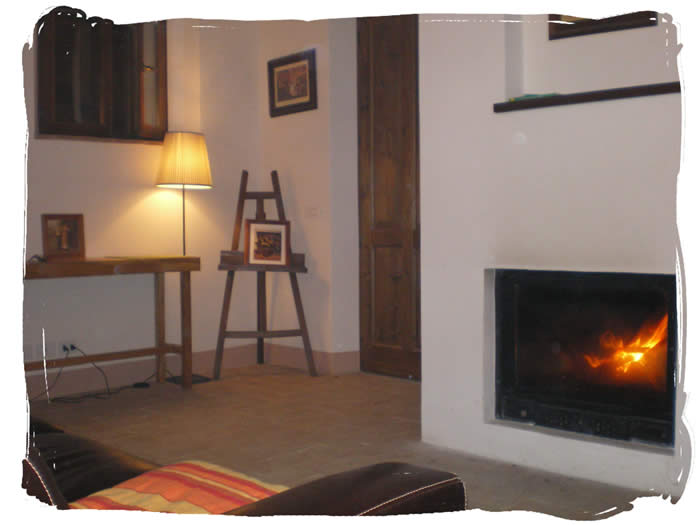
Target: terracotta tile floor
column 285, row 427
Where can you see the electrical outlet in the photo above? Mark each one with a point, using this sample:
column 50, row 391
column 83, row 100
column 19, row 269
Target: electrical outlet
column 66, row 347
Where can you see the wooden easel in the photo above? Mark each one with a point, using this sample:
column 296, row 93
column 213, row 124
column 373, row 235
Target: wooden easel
column 232, row 261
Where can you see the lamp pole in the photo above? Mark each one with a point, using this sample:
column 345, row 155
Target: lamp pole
column 183, row 220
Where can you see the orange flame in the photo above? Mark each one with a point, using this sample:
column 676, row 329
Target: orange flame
column 625, row 355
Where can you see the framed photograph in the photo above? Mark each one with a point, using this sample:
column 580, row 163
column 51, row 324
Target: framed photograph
column 63, row 237
column 266, row 242
column 292, row 83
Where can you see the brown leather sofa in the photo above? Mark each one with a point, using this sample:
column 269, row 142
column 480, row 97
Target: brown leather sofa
column 61, row 468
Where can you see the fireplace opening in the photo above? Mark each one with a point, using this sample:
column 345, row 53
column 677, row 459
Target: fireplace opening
column 587, row 352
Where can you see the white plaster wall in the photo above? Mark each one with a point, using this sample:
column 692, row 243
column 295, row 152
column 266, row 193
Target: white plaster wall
column 583, row 187
column 513, row 33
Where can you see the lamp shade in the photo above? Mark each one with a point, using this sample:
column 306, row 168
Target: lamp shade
column 184, row 161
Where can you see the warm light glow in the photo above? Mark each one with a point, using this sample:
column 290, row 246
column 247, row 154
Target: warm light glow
column 187, row 186
column 184, row 162
column 632, row 356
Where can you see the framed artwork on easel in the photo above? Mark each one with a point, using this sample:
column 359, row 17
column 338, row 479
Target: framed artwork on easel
column 267, row 242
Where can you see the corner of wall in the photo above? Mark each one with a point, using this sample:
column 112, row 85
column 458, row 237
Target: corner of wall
column 343, row 184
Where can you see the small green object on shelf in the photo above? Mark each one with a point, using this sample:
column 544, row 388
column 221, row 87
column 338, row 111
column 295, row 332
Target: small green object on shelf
column 527, row 96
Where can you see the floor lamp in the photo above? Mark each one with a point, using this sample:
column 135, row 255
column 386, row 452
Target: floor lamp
column 184, row 164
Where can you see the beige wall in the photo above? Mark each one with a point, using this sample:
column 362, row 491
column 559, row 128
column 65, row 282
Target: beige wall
column 111, row 184
column 217, row 84
column 315, row 153
column 231, row 123
column 581, row 187
column 343, row 186
column 297, row 146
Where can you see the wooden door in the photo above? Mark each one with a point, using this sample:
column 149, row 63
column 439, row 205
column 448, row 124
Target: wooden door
column 388, row 195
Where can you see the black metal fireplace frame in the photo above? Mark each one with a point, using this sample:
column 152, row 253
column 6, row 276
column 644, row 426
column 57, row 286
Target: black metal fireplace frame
column 611, row 420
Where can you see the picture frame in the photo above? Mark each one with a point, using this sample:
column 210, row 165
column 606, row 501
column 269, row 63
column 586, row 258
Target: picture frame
column 292, row 83
column 63, row 237
column 267, row 242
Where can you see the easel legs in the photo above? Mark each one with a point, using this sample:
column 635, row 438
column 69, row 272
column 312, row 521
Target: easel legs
column 262, row 316
column 262, row 323
column 222, row 324
column 302, row 324
column 262, row 332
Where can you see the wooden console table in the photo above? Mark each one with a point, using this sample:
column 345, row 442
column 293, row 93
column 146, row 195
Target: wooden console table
column 126, row 266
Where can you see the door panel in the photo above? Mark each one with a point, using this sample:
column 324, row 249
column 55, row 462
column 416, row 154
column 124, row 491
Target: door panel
column 388, row 195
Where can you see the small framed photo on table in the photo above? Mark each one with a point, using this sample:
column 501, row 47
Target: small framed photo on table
column 267, row 242
column 292, row 83
column 63, row 237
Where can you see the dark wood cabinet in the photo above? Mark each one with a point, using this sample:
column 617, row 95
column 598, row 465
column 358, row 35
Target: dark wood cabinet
column 100, row 79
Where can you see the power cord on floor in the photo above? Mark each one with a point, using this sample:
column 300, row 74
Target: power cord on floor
column 106, row 394
column 49, row 388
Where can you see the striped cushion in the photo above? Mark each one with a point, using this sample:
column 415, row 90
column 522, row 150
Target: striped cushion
column 190, row 487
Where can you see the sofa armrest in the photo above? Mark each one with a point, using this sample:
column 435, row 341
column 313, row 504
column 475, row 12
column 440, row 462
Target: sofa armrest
column 78, row 467
column 382, row 489
column 39, row 426
column 39, row 482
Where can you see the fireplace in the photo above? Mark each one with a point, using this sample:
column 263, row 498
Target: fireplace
column 587, row 352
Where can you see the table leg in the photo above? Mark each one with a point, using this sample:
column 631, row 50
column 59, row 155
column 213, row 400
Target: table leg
column 159, row 288
column 186, row 328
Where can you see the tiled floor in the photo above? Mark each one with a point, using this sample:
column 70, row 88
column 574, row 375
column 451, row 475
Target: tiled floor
column 286, row 427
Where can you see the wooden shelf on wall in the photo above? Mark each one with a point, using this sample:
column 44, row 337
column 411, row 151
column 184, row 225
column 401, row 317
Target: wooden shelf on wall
column 562, row 26
column 588, row 96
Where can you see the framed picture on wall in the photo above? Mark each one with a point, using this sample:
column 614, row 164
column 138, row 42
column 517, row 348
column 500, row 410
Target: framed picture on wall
column 63, row 237
column 292, row 83
column 267, row 242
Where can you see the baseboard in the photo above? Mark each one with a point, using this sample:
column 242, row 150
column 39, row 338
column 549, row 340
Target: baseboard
column 86, row 378
column 327, row 363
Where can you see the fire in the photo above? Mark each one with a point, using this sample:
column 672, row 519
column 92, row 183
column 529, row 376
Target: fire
column 634, row 353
